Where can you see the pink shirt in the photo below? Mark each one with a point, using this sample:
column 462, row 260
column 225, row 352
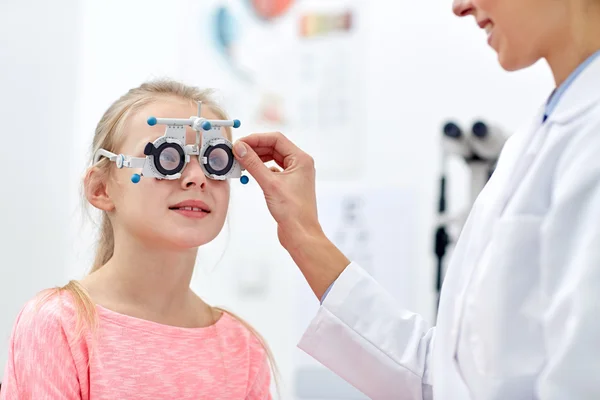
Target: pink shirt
column 134, row 358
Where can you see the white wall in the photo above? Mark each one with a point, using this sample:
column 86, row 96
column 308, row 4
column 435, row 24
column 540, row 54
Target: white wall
column 423, row 67
column 39, row 64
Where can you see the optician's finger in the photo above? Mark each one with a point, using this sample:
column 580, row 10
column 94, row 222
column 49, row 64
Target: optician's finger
column 268, row 158
column 276, row 141
column 267, row 152
column 252, row 163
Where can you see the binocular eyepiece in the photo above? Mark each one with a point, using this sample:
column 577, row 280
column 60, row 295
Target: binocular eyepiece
column 483, row 141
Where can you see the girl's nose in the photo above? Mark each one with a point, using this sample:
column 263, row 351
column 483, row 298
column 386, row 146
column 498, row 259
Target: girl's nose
column 193, row 176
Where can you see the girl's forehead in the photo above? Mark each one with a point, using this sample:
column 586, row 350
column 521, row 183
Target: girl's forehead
column 138, row 132
column 171, row 108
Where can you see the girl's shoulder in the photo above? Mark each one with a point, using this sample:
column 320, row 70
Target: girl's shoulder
column 243, row 339
column 49, row 309
column 44, row 325
column 239, row 331
column 40, row 337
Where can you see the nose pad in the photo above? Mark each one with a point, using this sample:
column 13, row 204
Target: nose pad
column 193, row 175
column 462, row 8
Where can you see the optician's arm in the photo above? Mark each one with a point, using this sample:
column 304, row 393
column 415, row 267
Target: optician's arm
column 571, row 276
column 361, row 334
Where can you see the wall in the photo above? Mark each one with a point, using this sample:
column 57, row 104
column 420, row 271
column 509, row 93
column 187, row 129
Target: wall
column 423, row 66
column 39, row 64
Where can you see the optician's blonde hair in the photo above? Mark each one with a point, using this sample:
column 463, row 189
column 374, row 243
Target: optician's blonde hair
column 108, row 135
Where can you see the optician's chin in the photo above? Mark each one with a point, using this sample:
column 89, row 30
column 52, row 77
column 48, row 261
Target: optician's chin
column 511, row 59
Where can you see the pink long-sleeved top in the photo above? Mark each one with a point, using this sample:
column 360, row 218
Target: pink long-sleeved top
column 132, row 358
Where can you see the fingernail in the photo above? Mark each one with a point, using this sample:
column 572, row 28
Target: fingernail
column 240, row 149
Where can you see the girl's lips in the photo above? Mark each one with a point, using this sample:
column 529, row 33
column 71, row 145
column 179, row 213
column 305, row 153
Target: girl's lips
column 191, row 213
column 190, row 205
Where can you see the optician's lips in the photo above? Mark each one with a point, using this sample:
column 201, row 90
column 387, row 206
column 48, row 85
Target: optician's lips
column 484, row 22
column 488, row 26
column 191, row 208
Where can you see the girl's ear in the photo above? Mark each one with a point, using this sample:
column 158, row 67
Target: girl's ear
column 96, row 189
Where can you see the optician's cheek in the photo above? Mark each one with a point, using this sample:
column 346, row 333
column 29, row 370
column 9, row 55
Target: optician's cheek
column 487, row 6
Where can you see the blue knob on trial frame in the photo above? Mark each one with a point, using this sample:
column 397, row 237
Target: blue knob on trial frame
column 135, row 178
column 152, row 121
column 244, row 179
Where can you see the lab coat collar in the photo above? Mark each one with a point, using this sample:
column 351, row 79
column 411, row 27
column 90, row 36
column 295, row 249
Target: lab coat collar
column 583, row 93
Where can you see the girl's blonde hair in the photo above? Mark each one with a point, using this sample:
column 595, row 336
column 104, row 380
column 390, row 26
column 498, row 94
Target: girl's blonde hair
column 108, row 135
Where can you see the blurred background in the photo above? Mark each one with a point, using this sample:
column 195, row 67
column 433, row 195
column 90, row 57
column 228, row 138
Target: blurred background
column 365, row 86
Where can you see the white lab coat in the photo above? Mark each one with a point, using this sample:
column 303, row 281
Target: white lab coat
column 519, row 314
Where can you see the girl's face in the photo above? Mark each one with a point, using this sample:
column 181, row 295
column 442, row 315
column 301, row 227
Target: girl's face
column 520, row 31
column 149, row 209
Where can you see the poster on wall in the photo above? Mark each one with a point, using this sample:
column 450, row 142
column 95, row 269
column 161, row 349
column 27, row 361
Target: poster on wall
column 295, row 66
column 329, row 118
column 374, row 226
column 241, row 49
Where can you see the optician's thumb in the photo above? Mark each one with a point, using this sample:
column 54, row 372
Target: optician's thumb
column 248, row 158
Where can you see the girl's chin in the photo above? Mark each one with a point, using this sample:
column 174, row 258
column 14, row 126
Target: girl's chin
column 185, row 241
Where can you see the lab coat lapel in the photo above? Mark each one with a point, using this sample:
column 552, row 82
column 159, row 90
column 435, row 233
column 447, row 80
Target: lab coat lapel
column 583, row 93
column 506, row 179
column 580, row 96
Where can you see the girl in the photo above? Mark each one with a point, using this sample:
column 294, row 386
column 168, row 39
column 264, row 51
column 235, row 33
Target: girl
column 133, row 328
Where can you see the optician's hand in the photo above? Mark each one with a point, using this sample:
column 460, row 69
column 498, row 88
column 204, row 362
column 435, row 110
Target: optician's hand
column 290, row 194
column 291, row 199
